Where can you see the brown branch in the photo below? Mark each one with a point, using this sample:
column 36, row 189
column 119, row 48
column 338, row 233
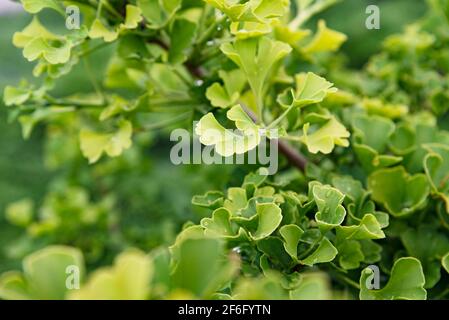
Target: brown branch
column 293, row 156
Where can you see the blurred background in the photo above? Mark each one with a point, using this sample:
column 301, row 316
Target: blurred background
column 147, row 198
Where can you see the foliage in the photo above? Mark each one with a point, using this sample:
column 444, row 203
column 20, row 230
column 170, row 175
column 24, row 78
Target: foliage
column 370, row 187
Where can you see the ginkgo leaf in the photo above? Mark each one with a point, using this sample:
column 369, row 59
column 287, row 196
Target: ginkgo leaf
column 93, row 144
column 53, row 51
column 325, row 252
column 133, row 17
column 350, row 254
column 291, row 234
column 219, row 224
column 224, row 96
column 128, row 279
column 406, row 282
column 325, row 40
column 251, row 11
column 368, row 228
column 329, row 201
column 325, row 139
column 34, row 6
column 226, row 142
column 34, row 30
column 269, row 217
column 44, row 274
column 436, row 166
column 99, row 30
column 256, row 57
column 445, row 262
column 15, row 96
column 400, row 193
column 182, row 33
column 310, row 89
column 158, row 12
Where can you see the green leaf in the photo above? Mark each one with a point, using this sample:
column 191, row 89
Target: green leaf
column 34, row 30
column 93, row 144
column 128, row 279
column 325, row 40
column 227, row 95
column 226, row 142
column 406, row 282
column 133, row 17
column 445, row 262
column 253, row 10
column 256, row 57
column 206, row 265
column 313, row 286
column 291, row 234
column 329, row 201
column 34, row 6
column 436, row 166
column 20, row 213
column 428, row 245
column 182, row 34
column 369, row 228
column 15, row 96
column 400, row 193
column 325, row 138
column 99, row 30
column 158, row 12
column 310, row 89
column 211, row 200
column 269, row 218
column 53, row 51
column 219, row 224
column 350, row 254
column 44, row 274
column 373, row 131
column 325, row 252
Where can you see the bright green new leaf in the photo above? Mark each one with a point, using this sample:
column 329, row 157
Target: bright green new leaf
column 47, row 274
column 53, row 51
column 406, row 282
column 128, row 279
column 325, row 138
column 158, row 12
column 211, row 200
column 34, row 30
column 99, row 30
column 34, row 6
column 206, row 265
column 269, row 218
column 436, row 166
column 329, row 201
column 20, row 213
column 256, row 57
column 325, row 252
column 226, row 142
column 15, row 96
column 310, row 89
column 325, row 40
column 350, row 254
column 291, row 234
column 369, row 228
column 445, row 262
column 93, row 144
column 224, row 96
column 133, row 17
column 312, row 286
column 400, row 193
column 219, row 224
